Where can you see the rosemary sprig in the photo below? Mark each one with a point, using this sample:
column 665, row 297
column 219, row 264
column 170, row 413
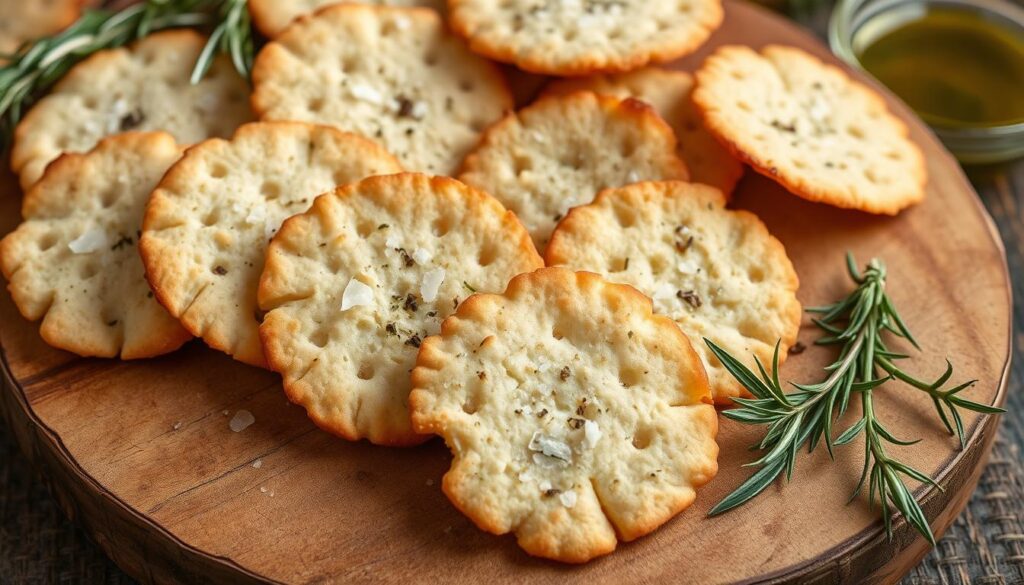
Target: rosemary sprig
column 37, row 65
column 808, row 415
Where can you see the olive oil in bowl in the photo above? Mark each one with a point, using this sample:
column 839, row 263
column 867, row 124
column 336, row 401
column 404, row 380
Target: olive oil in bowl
column 958, row 63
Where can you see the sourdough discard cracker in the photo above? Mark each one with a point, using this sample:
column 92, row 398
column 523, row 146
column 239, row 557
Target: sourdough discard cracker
column 581, row 37
column 271, row 17
column 718, row 273
column 561, row 150
column 74, row 263
column 810, row 127
column 353, row 286
column 142, row 87
column 392, row 74
column 575, row 416
column 669, row 93
column 210, row 219
column 24, row 21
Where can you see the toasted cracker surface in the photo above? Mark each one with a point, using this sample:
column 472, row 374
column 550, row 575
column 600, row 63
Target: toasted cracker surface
column 74, row 262
column 581, row 37
column 353, row 286
column 24, row 21
column 142, row 87
column 271, row 17
column 392, row 74
column 718, row 273
column 210, row 219
column 807, row 125
column 668, row 92
column 561, row 151
column 575, row 416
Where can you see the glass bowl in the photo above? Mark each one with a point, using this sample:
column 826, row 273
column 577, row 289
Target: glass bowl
column 970, row 144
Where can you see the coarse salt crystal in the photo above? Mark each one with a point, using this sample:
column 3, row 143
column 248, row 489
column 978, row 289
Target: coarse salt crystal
column 257, row 215
column 177, row 425
column 550, row 447
column 591, row 433
column 544, row 485
column 356, row 294
column 664, row 291
column 89, row 242
column 257, row 464
column 242, row 420
column 527, row 410
column 419, row 110
column 819, row 110
column 545, row 462
column 632, row 177
column 402, row 23
column 431, row 283
column 263, row 489
column 688, row 267
column 367, row 94
column 525, row 476
column 568, row 498
column 421, row 256
column 393, row 241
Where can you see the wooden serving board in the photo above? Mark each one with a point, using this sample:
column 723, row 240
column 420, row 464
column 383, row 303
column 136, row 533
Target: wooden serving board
column 141, row 453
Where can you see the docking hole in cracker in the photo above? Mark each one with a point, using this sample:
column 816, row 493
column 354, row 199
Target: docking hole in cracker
column 352, row 287
column 576, row 417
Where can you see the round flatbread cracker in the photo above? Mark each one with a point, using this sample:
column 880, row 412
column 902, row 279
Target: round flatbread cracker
column 28, row 20
column 354, row 285
column 391, row 74
column 668, row 92
column 73, row 262
column 718, row 273
column 810, row 127
column 271, row 17
column 210, row 219
column 142, row 87
column 575, row 416
column 561, row 151
column 581, row 37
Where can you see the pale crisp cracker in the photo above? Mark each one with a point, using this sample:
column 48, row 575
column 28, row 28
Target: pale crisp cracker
column 718, row 273
column 668, row 92
column 394, row 75
column 581, row 37
column 353, row 286
column 561, row 151
column 810, row 127
column 141, row 87
column 74, row 262
column 575, row 416
column 210, row 219
column 26, row 20
column 271, row 17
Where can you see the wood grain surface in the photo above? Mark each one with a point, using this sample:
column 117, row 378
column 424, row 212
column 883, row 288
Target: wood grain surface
column 141, row 453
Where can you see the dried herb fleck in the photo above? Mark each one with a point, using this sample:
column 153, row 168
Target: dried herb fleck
column 690, row 297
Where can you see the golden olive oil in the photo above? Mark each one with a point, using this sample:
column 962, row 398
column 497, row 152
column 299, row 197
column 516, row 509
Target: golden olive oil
column 956, row 67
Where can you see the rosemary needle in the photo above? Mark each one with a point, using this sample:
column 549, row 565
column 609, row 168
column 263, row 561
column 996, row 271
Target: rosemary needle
column 37, row 65
column 857, row 325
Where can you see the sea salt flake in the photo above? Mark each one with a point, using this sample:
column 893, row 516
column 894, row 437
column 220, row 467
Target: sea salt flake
column 393, row 241
column 257, row 464
column 591, row 434
column 356, row 294
column 524, row 476
column 546, row 462
column 819, row 110
column 551, row 447
column 544, row 485
column 431, row 283
column 367, row 94
column 568, row 498
column 257, row 215
column 664, row 291
column 421, row 256
column 242, row 420
column 91, row 241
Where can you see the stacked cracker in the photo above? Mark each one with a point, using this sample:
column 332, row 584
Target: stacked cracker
column 397, row 305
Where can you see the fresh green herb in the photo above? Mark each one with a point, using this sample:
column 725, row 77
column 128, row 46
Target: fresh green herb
column 858, row 325
column 37, row 65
